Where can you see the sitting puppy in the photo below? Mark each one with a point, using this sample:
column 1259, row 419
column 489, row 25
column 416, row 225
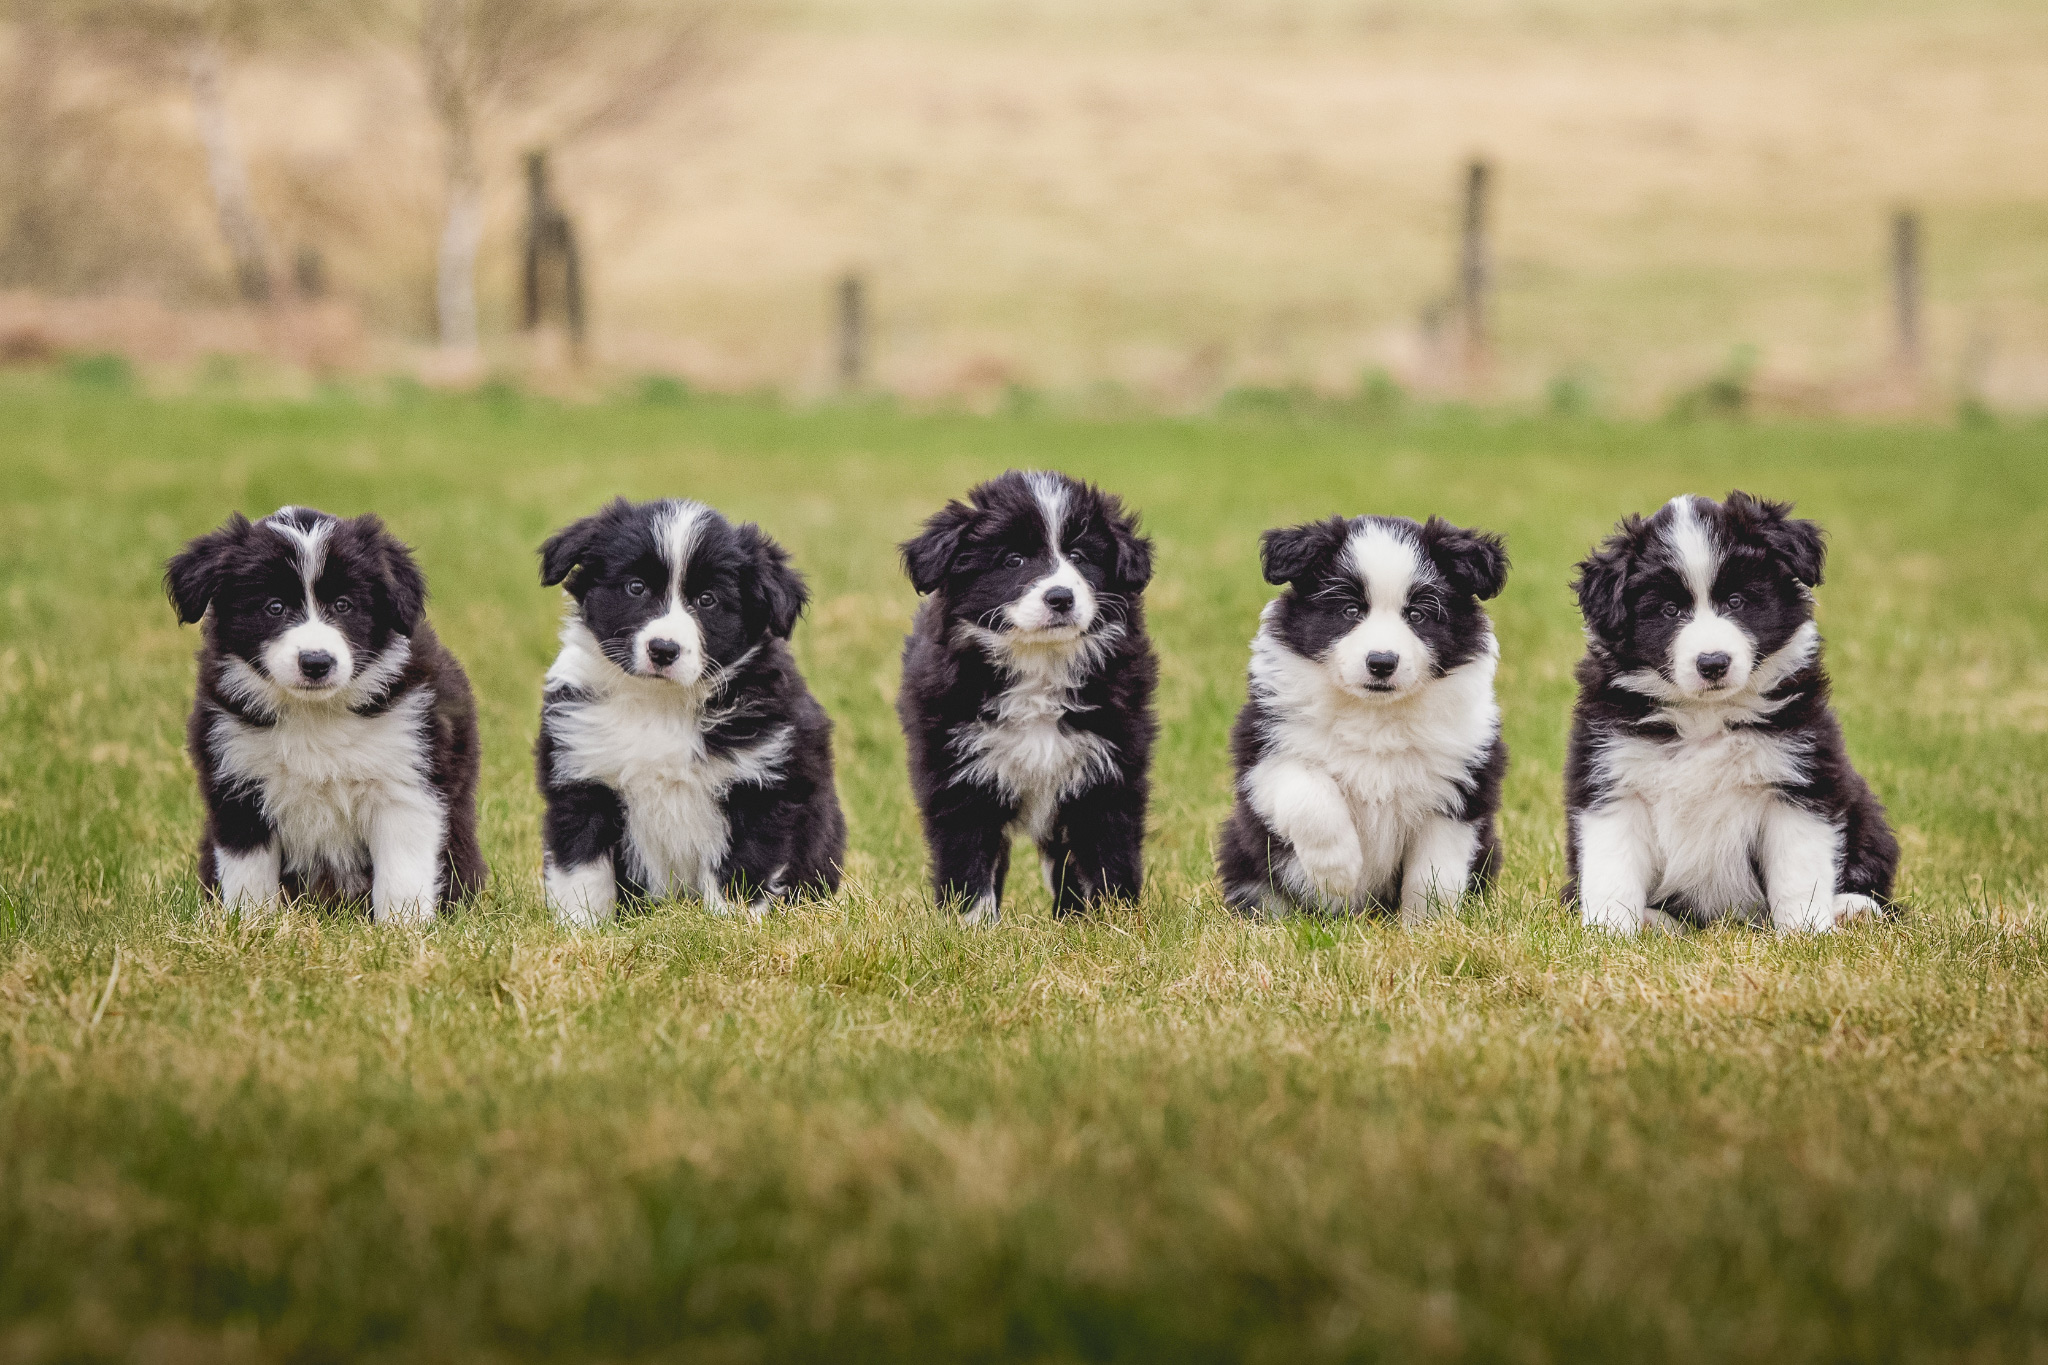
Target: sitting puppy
column 1027, row 690
column 680, row 752
column 334, row 735
column 1368, row 755
column 1706, row 775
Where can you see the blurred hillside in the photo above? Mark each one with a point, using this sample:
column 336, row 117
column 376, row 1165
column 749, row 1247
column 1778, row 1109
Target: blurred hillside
column 1163, row 198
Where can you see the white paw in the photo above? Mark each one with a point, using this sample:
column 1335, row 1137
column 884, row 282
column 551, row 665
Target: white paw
column 413, row 910
column 1850, row 906
column 985, row 910
column 1616, row 917
column 580, row 914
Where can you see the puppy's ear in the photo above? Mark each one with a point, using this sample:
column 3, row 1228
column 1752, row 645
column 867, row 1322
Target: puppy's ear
column 193, row 574
column 405, row 587
column 1471, row 561
column 777, row 589
column 1289, row 554
column 1602, row 581
column 566, row 549
column 1133, row 551
column 1800, row 544
column 929, row 558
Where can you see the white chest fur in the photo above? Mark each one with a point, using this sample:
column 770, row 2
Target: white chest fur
column 1021, row 747
column 646, row 742
column 326, row 777
column 1707, row 794
column 1394, row 764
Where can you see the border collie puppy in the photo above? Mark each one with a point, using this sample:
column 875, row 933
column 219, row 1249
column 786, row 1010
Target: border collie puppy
column 1368, row 754
column 334, row 736
column 1027, row 690
column 680, row 752
column 1706, row 774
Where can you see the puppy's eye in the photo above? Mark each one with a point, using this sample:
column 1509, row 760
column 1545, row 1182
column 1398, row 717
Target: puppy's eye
column 341, row 606
column 1735, row 601
column 1415, row 616
column 1353, row 612
column 1671, row 610
column 707, row 599
column 1014, row 562
column 635, row 588
column 274, row 607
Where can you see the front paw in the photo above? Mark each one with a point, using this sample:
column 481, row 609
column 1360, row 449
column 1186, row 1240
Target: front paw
column 1332, row 871
column 984, row 910
column 404, row 910
column 1850, row 906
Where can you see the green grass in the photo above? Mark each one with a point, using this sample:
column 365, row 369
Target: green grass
column 859, row 1132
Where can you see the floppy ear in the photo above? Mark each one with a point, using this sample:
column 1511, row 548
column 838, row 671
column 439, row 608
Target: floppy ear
column 405, row 587
column 566, row 548
column 1474, row 562
column 194, row 572
column 778, row 588
column 1290, row 553
column 1133, row 551
column 1602, row 582
column 1799, row 543
column 929, row 558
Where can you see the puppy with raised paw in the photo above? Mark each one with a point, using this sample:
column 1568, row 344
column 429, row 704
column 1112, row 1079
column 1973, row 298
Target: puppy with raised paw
column 334, row 736
column 1706, row 775
column 1368, row 754
column 680, row 752
column 1027, row 691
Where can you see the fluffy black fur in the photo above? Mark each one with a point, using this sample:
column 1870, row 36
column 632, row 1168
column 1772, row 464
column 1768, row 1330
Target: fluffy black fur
column 324, row 697
column 1399, row 761
column 1644, row 709
column 1027, row 690
column 706, row 771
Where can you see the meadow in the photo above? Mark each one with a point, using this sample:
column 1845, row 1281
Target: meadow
column 858, row 1131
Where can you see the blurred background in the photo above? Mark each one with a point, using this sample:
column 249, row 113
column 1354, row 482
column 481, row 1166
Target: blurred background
column 1624, row 206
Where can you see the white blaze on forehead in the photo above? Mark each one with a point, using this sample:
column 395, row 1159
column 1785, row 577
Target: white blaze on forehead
column 1388, row 564
column 1692, row 548
column 1050, row 490
column 311, row 543
column 675, row 534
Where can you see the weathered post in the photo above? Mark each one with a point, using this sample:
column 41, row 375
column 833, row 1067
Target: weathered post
column 1474, row 270
column 852, row 331
column 1906, row 290
column 550, row 249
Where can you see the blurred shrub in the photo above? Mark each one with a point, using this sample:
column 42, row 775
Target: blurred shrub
column 663, row 391
column 102, row 370
column 1725, row 394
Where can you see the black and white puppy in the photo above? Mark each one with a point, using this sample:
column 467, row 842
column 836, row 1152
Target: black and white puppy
column 1706, row 775
column 1027, row 690
column 680, row 752
column 334, row 736
column 1369, row 755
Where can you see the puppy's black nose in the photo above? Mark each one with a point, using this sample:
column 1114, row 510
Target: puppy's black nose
column 663, row 652
column 1060, row 599
column 1714, row 666
column 315, row 664
column 1381, row 663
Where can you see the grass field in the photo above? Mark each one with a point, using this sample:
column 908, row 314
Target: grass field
column 859, row 1132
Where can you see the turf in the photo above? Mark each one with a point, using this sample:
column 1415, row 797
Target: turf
column 857, row 1131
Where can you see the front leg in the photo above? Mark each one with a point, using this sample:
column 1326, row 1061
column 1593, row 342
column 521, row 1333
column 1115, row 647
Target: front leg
column 405, row 861
column 970, row 850
column 239, row 860
column 1305, row 807
column 580, row 835
column 1616, row 862
column 1798, row 852
column 1098, row 850
column 1438, row 865
column 760, row 846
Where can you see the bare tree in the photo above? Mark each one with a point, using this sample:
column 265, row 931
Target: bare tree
column 550, row 70
column 190, row 40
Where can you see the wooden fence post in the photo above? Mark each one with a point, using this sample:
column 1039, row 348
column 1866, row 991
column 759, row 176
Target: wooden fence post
column 1474, row 269
column 1906, row 290
column 852, row 331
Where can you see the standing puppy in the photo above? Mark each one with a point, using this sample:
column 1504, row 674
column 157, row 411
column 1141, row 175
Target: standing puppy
column 1027, row 690
column 334, row 736
column 1369, row 755
column 1706, row 775
column 680, row 752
